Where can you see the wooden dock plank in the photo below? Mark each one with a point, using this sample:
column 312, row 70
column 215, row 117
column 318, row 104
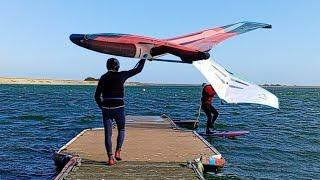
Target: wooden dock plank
column 132, row 170
column 142, row 144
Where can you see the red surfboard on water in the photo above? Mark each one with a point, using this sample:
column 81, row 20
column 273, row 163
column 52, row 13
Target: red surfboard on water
column 225, row 134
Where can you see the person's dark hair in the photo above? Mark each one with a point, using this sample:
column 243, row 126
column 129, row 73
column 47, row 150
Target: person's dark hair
column 113, row 64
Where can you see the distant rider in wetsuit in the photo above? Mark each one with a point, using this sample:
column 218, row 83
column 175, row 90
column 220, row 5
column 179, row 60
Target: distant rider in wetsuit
column 111, row 87
column 212, row 114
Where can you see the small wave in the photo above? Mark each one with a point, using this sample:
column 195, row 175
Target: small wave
column 21, row 148
column 30, row 117
column 88, row 118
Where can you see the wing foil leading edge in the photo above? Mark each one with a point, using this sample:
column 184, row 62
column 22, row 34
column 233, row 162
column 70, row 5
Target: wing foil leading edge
column 232, row 89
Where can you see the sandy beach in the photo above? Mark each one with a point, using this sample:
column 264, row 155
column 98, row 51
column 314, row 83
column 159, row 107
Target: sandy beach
column 7, row 80
column 14, row 80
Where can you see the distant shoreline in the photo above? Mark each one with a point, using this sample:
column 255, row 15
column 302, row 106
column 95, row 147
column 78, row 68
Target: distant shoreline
column 6, row 80
column 31, row 81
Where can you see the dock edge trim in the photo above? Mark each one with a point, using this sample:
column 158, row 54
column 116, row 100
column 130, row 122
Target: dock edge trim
column 75, row 138
column 207, row 143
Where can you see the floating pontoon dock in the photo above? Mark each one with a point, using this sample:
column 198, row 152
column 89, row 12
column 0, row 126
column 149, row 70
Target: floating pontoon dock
column 154, row 148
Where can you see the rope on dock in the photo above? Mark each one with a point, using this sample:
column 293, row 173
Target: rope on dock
column 196, row 169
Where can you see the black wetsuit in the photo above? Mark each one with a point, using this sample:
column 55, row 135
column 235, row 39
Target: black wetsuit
column 111, row 87
column 212, row 114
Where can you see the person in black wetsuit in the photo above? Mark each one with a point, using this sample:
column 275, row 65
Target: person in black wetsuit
column 111, row 87
column 212, row 114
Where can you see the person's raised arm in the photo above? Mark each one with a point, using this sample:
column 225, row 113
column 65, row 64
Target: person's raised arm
column 137, row 69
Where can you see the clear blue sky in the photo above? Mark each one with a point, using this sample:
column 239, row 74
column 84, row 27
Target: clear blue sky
column 35, row 38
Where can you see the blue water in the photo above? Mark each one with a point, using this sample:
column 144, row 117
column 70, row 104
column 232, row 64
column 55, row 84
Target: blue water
column 36, row 120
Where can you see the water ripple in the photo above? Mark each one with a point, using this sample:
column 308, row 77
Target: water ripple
column 282, row 144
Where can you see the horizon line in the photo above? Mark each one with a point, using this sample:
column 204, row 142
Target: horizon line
column 75, row 81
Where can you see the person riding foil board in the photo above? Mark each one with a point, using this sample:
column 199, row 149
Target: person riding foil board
column 206, row 105
column 111, row 87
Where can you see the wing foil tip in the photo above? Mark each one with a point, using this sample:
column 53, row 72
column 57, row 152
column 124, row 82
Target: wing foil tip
column 268, row 26
column 262, row 25
column 276, row 105
column 274, row 101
